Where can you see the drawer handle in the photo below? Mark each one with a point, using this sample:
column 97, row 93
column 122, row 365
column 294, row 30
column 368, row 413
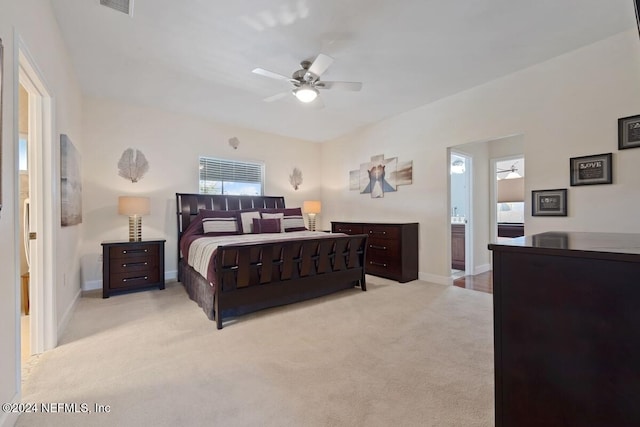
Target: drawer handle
column 135, row 251
column 377, row 232
column 384, row 248
column 135, row 278
column 381, row 264
column 133, row 264
column 344, row 229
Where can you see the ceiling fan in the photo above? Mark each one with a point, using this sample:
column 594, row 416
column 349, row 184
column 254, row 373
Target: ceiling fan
column 306, row 81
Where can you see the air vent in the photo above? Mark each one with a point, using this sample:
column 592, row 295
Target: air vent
column 124, row 6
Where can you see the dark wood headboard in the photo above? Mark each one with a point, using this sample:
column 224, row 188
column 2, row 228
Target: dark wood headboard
column 189, row 205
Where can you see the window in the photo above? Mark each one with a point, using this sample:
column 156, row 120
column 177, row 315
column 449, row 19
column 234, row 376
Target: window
column 22, row 152
column 219, row 176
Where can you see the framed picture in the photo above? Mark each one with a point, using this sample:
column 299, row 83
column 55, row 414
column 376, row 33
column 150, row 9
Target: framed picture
column 549, row 202
column 591, row 170
column 629, row 132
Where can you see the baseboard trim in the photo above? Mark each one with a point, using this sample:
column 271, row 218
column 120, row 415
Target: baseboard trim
column 62, row 325
column 434, row 278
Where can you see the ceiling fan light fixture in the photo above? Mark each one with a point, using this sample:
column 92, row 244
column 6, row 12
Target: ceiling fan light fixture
column 306, row 93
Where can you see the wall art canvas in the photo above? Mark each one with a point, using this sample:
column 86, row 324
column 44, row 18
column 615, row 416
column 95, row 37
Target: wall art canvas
column 380, row 175
column 70, row 183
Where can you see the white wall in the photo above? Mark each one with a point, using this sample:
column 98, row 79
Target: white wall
column 565, row 107
column 33, row 22
column 172, row 144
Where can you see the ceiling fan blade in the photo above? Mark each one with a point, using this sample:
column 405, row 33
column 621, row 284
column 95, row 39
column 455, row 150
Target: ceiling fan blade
column 320, row 64
column 269, row 74
column 277, row 96
column 353, row 86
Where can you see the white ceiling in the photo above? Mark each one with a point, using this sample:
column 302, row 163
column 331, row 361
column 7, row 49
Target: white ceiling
column 196, row 56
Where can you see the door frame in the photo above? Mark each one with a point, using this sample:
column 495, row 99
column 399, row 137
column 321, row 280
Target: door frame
column 43, row 192
column 493, row 195
column 468, row 197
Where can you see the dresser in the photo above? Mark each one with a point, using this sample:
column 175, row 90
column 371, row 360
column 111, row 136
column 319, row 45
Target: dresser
column 132, row 265
column 392, row 248
column 566, row 330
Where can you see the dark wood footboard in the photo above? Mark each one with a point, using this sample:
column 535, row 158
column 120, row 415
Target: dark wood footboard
column 257, row 276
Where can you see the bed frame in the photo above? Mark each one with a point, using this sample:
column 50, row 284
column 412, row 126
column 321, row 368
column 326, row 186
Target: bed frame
column 251, row 277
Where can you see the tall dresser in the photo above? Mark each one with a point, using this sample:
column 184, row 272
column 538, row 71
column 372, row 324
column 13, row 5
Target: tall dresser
column 567, row 330
column 392, row 248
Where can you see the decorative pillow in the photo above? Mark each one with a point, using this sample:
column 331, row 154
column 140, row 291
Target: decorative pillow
column 219, row 223
column 246, row 220
column 277, row 216
column 266, row 225
column 292, row 220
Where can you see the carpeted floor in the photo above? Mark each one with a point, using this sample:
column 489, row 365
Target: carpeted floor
column 415, row 354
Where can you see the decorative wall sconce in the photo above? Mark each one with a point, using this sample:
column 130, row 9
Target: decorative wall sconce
column 133, row 165
column 295, row 178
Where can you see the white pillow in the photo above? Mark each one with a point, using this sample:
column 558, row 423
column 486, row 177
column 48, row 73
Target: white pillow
column 220, row 225
column 279, row 216
column 247, row 221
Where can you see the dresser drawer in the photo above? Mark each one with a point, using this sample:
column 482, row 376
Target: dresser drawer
column 347, row 228
column 132, row 251
column 383, row 248
column 382, row 267
column 382, row 232
column 134, row 278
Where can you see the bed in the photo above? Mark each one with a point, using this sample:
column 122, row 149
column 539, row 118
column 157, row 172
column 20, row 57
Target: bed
column 282, row 268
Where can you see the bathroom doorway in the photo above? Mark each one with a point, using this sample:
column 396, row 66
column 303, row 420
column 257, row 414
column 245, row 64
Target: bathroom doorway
column 461, row 213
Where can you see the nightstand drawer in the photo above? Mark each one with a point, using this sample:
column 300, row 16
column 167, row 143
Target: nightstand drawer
column 124, row 265
column 132, row 251
column 134, row 278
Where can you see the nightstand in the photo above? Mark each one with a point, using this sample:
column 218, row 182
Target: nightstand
column 132, row 265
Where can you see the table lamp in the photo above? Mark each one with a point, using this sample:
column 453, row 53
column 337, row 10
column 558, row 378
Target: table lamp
column 312, row 208
column 134, row 207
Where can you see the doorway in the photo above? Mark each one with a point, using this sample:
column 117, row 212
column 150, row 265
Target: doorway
column 36, row 222
column 461, row 213
column 509, row 206
column 24, row 218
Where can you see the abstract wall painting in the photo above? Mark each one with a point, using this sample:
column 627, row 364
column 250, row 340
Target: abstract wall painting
column 380, row 175
column 70, row 183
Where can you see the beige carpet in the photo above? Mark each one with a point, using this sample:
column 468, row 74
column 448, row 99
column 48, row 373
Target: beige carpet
column 414, row 354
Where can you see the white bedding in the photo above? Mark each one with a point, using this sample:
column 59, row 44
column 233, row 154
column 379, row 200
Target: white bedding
column 202, row 249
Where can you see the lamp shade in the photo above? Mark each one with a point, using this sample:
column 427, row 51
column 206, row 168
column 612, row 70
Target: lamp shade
column 130, row 205
column 511, row 190
column 311, row 206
